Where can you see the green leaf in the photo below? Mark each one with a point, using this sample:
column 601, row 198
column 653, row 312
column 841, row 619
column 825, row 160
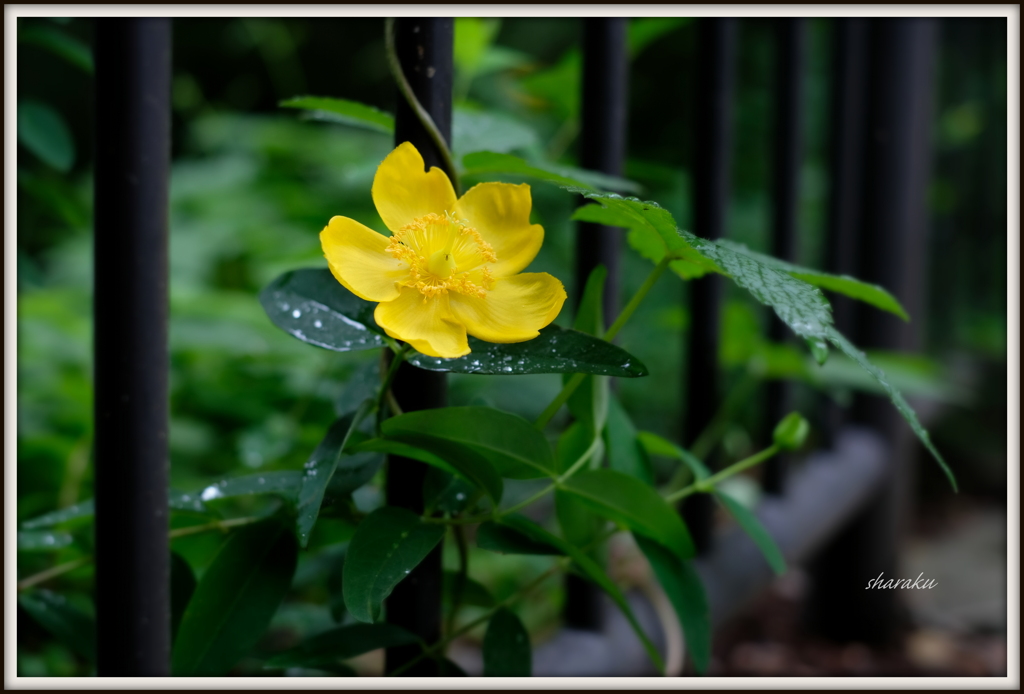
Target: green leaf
column 844, row 345
column 235, row 600
column 284, row 483
column 474, row 130
column 841, row 284
column 388, row 544
column 363, row 383
column 506, row 540
column 84, row 509
column 474, row 594
column 757, row 532
column 506, row 647
column 516, row 448
column 183, row 586
column 72, row 627
column 44, row 133
column 641, row 32
column 329, row 648
column 590, row 569
column 321, row 466
column 629, row 502
column 59, row 43
column 448, row 493
column 42, row 540
column 624, row 451
column 479, row 163
column 343, row 111
column 459, row 460
column 653, row 231
column 686, row 593
column 311, row 304
column 555, row 351
column 656, row 445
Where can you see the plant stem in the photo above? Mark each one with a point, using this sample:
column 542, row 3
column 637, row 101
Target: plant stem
column 414, row 104
column 708, row 438
column 708, row 484
column 460, row 578
column 55, row 571
column 52, row 572
column 574, row 382
column 560, row 564
column 385, row 388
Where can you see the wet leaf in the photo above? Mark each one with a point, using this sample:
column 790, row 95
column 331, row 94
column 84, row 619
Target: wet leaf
column 311, row 304
column 71, row 626
column 555, row 351
column 387, row 546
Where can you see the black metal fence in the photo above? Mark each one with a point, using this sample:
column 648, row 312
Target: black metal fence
column 840, row 510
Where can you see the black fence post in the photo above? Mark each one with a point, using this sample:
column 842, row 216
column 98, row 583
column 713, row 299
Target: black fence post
column 602, row 148
column 130, row 309
column 715, row 68
column 846, row 170
column 893, row 242
column 791, row 48
column 424, row 47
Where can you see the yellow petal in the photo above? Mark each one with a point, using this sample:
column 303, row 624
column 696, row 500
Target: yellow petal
column 403, row 191
column 514, row 310
column 356, row 256
column 426, row 324
column 500, row 212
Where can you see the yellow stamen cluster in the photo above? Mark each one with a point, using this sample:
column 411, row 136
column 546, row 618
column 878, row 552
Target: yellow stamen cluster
column 436, row 272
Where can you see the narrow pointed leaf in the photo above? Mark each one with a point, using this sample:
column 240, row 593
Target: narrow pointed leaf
column 555, row 351
column 847, row 348
column 504, row 539
column 343, row 111
column 387, row 546
column 656, row 445
column 841, row 284
column 42, row 540
column 321, row 467
column 633, row 504
column 311, row 304
column 235, row 600
column 591, row 570
column 455, row 459
column 506, row 647
column 686, row 593
column 515, row 447
column 72, row 627
column 757, row 532
column 42, row 131
column 478, row 163
column 335, row 645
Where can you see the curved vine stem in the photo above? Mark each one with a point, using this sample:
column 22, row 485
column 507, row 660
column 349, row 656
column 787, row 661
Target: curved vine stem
column 415, row 105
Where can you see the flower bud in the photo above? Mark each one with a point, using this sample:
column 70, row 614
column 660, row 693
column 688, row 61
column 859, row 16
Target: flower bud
column 791, row 432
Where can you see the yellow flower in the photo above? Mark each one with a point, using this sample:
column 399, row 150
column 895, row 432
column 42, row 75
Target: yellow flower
column 450, row 266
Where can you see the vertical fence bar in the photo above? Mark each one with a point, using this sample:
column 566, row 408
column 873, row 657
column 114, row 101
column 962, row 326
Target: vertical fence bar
column 846, row 166
column 602, row 148
column 715, row 67
column 424, row 47
column 791, row 49
column 893, row 249
column 130, row 309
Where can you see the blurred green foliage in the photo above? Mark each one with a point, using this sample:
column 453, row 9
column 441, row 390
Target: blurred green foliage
column 252, row 185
